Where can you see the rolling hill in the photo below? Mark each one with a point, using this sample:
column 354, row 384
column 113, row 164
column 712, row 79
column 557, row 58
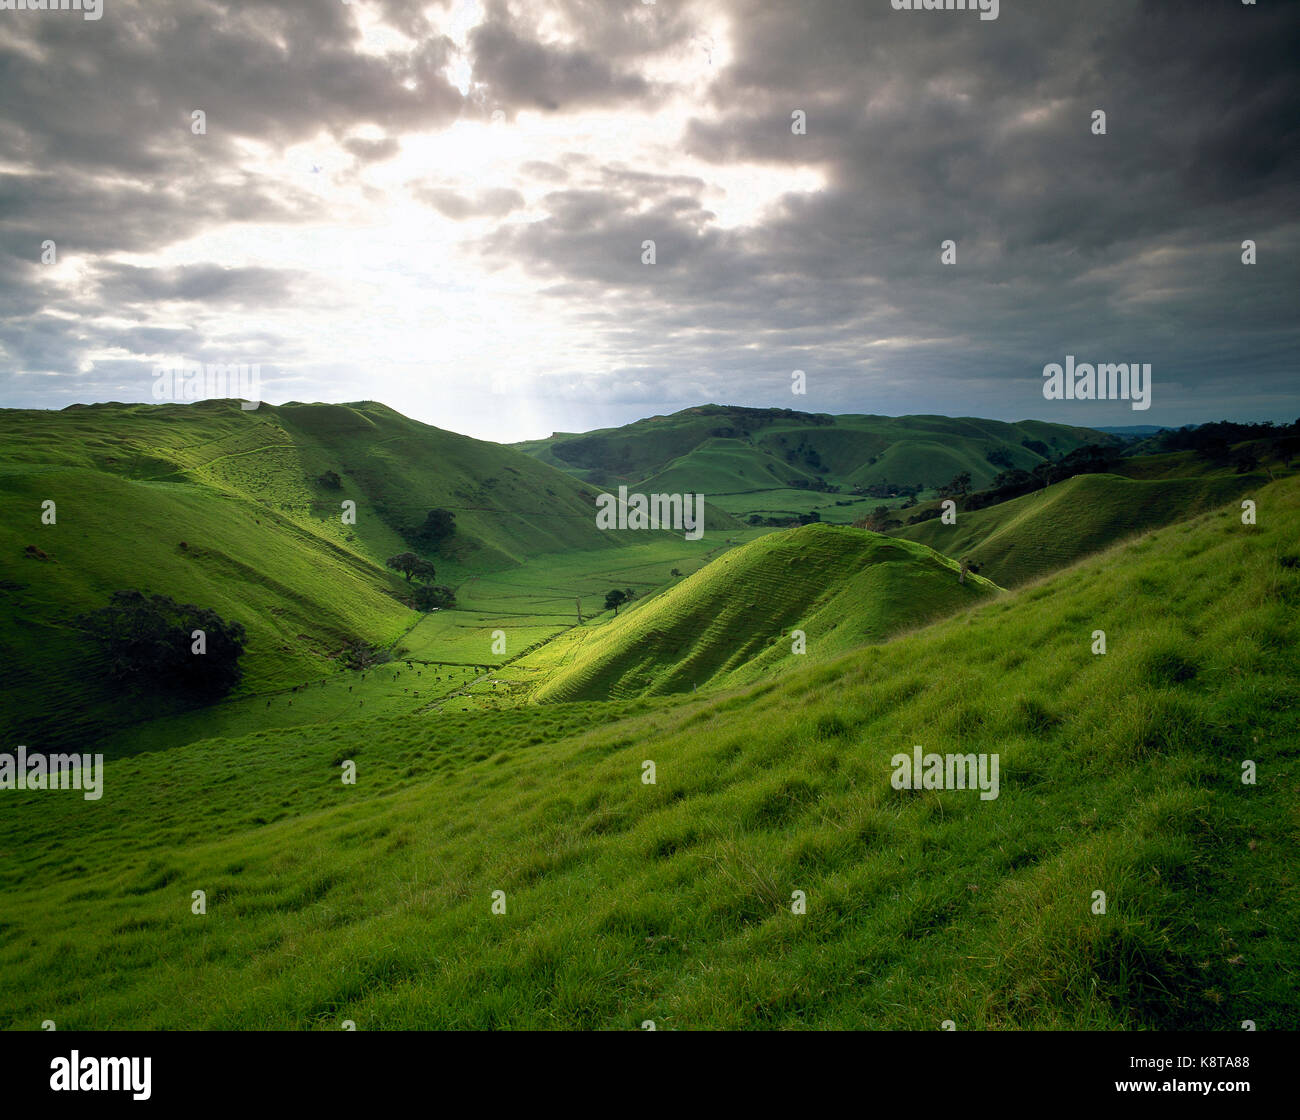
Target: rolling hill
column 1030, row 536
column 624, row 901
column 733, row 619
column 226, row 508
column 750, row 454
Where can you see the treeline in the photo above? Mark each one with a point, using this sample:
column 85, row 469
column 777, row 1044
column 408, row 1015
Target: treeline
column 1219, row 442
column 1091, row 458
column 784, row 522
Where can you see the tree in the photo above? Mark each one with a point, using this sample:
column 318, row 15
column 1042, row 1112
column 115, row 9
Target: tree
column 959, row 485
column 1000, row 457
column 330, row 480
column 877, row 519
column 615, row 599
column 434, row 596
column 439, row 524
column 151, row 644
column 411, row 565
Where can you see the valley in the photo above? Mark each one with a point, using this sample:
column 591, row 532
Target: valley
column 773, row 676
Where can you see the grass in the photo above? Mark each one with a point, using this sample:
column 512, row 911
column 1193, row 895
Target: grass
column 222, row 507
column 671, row 901
column 842, row 587
column 755, row 457
column 1028, row 537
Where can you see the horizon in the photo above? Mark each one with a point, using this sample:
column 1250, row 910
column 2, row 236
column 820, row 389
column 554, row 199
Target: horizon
column 1276, row 419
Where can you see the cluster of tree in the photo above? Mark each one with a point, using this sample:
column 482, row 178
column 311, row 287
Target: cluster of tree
column 957, row 486
column 438, row 526
column 1216, row 439
column 330, row 480
column 616, row 598
column 748, row 419
column 358, row 654
column 784, row 522
column 1218, row 443
column 879, row 520
column 411, row 566
column 434, row 597
column 1000, row 457
column 1011, row 483
column 428, row 596
column 1091, row 458
column 154, row 644
column 885, row 489
column 806, row 455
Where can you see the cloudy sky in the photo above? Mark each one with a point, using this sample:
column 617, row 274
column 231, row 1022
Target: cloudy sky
column 443, row 205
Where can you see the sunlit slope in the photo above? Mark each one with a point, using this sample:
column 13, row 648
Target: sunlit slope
column 671, row 902
column 1042, row 532
column 844, row 587
column 300, row 597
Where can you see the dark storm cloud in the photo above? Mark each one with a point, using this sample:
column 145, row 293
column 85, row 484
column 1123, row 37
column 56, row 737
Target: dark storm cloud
column 117, row 94
column 936, row 125
column 922, row 126
column 99, row 115
column 515, row 68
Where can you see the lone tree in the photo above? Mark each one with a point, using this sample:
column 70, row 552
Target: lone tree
column 434, row 596
column 439, row 524
column 330, row 480
column 615, row 599
column 411, row 565
column 153, row 645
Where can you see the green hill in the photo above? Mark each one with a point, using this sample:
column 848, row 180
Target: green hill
column 1042, row 532
column 224, row 508
column 784, row 462
column 733, row 619
column 672, row 902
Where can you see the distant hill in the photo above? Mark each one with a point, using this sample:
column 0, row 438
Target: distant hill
column 733, row 619
column 773, row 461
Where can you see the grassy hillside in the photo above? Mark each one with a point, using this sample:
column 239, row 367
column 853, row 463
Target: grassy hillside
column 671, row 902
column 224, row 508
column 1042, row 532
column 746, row 454
column 843, row 587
